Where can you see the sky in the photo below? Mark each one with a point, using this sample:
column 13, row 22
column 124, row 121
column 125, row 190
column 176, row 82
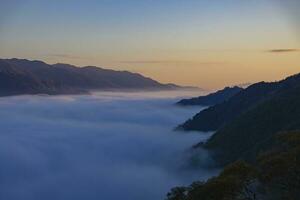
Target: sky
column 204, row 43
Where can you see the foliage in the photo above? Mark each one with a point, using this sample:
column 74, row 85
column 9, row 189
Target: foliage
column 276, row 175
column 233, row 183
column 281, row 167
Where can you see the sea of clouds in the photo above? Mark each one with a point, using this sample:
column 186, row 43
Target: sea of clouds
column 105, row 146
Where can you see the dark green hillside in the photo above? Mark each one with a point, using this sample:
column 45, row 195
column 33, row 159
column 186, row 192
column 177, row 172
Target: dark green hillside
column 216, row 117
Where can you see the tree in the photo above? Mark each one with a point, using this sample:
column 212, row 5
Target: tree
column 276, row 171
column 177, row 193
column 234, row 183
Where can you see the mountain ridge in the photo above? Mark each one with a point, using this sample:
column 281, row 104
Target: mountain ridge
column 212, row 98
column 252, row 132
column 217, row 116
column 258, row 150
column 22, row 76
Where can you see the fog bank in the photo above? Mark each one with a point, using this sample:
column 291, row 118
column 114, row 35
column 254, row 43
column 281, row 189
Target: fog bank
column 103, row 146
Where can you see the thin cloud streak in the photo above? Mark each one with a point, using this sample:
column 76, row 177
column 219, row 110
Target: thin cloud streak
column 283, row 50
column 69, row 56
column 168, row 62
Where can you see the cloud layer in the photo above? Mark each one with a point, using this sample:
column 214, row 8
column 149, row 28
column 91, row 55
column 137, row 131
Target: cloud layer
column 104, row 146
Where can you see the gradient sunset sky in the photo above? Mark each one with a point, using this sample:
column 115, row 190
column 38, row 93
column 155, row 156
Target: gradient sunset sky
column 205, row 43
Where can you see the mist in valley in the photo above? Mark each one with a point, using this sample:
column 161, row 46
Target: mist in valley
column 102, row 146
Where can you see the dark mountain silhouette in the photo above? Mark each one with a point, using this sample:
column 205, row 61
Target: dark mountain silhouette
column 216, row 117
column 211, row 99
column 21, row 76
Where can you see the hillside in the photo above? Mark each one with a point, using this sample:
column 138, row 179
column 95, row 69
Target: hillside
column 252, row 132
column 216, row 117
column 259, row 148
column 20, row 76
column 211, row 99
